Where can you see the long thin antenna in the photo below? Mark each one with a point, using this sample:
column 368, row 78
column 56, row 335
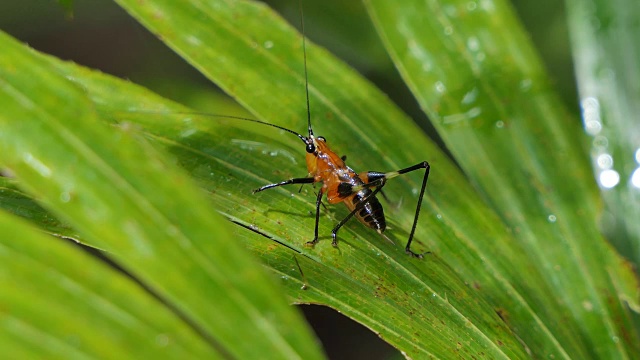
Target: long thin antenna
column 306, row 77
column 196, row 113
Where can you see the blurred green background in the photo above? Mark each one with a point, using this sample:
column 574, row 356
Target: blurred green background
column 100, row 35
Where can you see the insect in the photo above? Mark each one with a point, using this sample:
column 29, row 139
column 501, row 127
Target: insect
column 340, row 183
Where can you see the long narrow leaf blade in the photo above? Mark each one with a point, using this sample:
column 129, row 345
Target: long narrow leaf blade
column 58, row 302
column 126, row 198
column 419, row 306
column 229, row 42
column 605, row 36
column 489, row 99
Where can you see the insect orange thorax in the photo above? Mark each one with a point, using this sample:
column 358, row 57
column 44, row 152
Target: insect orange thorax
column 323, row 159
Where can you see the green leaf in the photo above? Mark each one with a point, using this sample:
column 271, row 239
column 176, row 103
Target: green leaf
column 491, row 102
column 14, row 200
column 420, row 306
column 607, row 55
column 58, row 302
column 127, row 198
column 416, row 305
column 533, row 282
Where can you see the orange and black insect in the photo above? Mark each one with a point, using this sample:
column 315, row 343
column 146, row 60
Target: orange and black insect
column 340, row 183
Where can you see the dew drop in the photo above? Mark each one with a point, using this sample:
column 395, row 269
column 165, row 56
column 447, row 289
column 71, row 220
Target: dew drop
column 593, row 127
column 65, row 196
column 162, row 340
column 605, row 161
column 37, row 165
column 591, row 115
column 470, row 97
column 193, row 40
column 487, row 5
column 600, row 142
column 473, row 44
column 525, row 85
column 609, row 179
column 188, row 132
column 451, row 10
column 635, row 178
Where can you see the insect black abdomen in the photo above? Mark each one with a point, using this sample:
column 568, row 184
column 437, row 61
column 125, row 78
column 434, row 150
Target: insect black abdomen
column 372, row 213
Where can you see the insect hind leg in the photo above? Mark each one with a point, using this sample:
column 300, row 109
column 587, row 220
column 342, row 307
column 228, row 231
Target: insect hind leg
column 423, row 165
column 378, row 179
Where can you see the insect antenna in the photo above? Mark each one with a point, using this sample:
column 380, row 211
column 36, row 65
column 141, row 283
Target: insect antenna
column 306, row 77
column 306, row 86
column 197, row 113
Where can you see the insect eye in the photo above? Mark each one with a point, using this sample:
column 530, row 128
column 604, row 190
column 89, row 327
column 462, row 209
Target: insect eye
column 321, row 138
column 311, row 148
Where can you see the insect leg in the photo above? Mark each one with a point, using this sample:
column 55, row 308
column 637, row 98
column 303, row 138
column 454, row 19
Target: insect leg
column 423, row 165
column 374, row 179
column 309, row 180
column 334, row 232
column 315, row 236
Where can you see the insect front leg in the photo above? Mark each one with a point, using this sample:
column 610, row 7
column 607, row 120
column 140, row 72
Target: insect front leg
column 373, row 178
column 307, row 180
column 315, row 236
